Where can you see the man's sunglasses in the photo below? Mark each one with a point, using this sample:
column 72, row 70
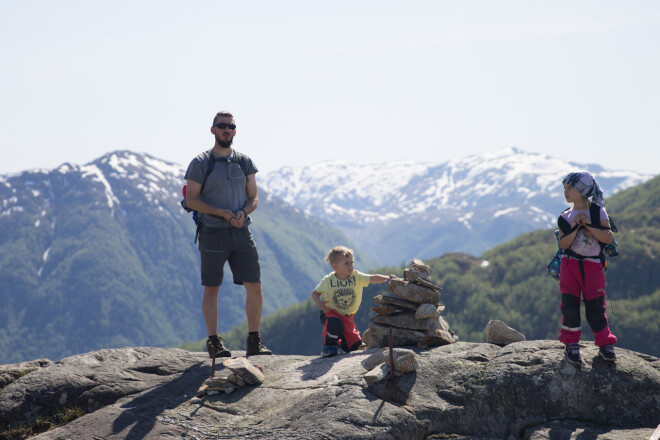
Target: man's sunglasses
column 222, row 126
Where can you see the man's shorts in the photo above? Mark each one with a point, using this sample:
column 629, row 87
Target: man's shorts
column 235, row 245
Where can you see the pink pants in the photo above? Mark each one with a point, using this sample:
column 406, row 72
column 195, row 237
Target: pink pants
column 591, row 288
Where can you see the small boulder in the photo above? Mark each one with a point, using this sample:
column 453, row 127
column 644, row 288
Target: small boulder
column 499, row 333
column 246, row 370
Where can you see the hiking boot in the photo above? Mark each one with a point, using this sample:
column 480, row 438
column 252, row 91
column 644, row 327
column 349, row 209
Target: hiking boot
column 255, row 346
column 214, row 344
column 329, row 351
column 607, row 353
column 573, row 354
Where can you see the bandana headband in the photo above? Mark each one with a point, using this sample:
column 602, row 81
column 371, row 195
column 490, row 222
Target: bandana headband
column 586, row 185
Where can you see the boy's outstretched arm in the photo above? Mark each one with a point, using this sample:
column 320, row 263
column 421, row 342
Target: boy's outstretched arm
column 316, row 297
column 379, row 279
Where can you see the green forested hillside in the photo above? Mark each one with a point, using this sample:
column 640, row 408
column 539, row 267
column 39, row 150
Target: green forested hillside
column 510, row 283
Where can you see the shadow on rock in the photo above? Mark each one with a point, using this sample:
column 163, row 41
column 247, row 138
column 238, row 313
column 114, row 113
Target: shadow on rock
column 396, row 391
column 318, row 367
column 143, row 410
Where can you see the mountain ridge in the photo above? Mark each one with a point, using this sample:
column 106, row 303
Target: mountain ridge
column 466, row 205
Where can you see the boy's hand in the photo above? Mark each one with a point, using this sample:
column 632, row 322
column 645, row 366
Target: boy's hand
column 323, row 307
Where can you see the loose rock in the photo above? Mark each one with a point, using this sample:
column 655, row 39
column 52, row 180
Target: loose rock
column 497, row 332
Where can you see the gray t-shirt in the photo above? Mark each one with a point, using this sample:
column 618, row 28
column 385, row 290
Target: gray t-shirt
column 225, row 187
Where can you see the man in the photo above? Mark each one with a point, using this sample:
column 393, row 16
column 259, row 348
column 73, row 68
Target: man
column 224, row 201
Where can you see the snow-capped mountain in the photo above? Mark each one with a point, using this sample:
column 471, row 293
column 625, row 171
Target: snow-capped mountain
column 465, row 205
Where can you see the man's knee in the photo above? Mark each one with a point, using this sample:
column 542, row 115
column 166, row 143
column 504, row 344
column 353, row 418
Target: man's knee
column 252, row 289
column 211, row 291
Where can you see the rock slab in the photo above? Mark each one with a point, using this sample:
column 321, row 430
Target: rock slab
column 460, row 391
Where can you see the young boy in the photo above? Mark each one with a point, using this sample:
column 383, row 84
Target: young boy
column 338, row 295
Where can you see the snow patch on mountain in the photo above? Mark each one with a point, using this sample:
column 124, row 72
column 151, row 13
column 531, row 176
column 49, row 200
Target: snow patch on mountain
column 95, row 174
column 503, row 180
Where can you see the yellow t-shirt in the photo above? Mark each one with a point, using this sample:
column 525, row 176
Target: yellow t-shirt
column 344, row 296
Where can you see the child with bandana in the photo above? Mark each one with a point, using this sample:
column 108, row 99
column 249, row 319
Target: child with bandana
column 581, row 275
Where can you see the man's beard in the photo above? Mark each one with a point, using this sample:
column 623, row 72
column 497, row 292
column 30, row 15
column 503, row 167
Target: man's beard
column 224, row 144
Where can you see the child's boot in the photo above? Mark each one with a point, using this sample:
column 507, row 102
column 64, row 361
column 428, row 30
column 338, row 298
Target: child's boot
column 573, row 354
column 607, row 353
column 329, row 351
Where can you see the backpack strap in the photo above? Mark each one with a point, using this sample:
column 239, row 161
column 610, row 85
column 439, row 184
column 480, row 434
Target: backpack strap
column 564, row 226
column 594, row 214
column 241, row 162
column 209, row 169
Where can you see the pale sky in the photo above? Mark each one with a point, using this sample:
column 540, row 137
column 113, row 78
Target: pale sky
column 310, row 81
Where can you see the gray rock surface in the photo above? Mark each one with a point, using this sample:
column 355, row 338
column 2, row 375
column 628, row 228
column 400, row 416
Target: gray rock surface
column 525, row 390
column 11, row 372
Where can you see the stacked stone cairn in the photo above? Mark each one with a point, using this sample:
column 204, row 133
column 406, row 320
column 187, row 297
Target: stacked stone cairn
column 412, row 312
column 239, row 372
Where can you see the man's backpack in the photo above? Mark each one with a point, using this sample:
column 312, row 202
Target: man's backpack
column 606, row 250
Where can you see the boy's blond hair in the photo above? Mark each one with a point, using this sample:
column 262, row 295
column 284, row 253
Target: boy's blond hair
column 336, row 253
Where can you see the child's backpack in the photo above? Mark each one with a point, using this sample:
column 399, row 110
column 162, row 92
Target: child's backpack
column 610, row 250
column 555, row 263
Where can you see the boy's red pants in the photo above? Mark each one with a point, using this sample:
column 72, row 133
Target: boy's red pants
column 590, row 287
column 349, row 335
